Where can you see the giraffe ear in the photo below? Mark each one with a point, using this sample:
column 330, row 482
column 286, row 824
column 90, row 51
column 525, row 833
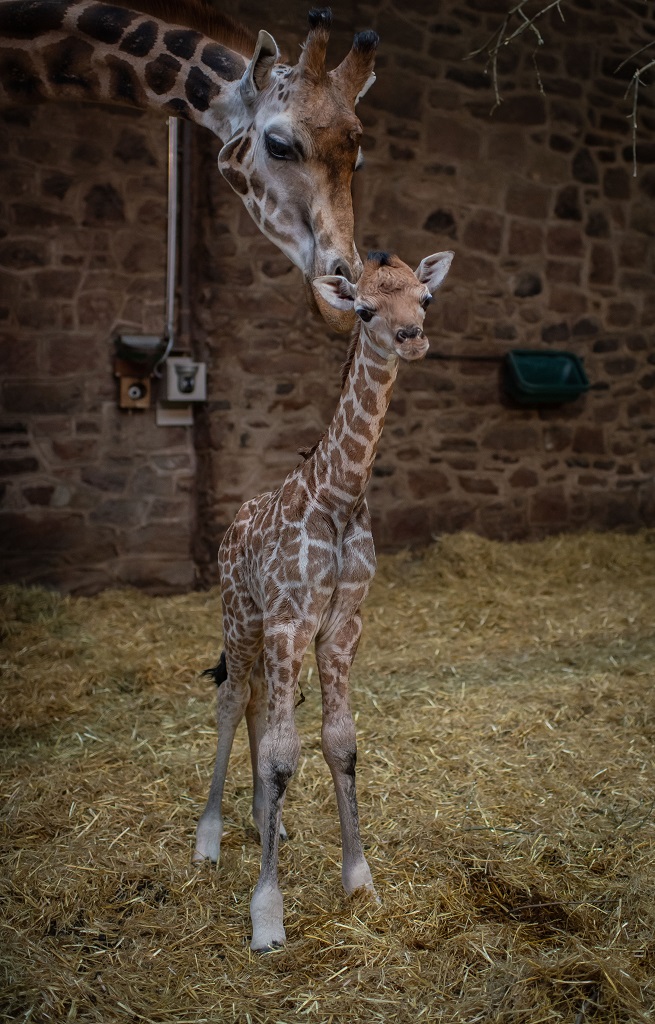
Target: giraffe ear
column 336, row 290
column 433, row 269
column 257, row 74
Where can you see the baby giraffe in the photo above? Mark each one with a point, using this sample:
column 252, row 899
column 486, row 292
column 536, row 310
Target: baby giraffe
column 295, row 566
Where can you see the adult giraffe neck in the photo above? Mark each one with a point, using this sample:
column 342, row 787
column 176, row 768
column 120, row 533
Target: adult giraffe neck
column 290, row 133
column 82, row 50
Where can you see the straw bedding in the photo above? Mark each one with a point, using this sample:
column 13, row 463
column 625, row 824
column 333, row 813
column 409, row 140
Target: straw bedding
column 503, row 696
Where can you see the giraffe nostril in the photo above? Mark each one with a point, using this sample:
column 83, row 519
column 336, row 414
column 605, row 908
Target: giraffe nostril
column 405, row 333
column 341, row 268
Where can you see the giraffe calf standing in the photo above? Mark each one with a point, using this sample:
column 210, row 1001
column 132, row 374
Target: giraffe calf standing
column 295, row 566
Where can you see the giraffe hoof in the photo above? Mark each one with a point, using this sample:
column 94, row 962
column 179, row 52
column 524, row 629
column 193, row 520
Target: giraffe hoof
column 200, row 858
column 275, row 947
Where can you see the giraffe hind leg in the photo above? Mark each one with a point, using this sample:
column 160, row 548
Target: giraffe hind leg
column 233, row 696
column 334, row 658
column 278, row 753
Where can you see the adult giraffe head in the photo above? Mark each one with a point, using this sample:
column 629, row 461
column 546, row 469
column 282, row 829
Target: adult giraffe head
column 290, row 133
column 293, row 150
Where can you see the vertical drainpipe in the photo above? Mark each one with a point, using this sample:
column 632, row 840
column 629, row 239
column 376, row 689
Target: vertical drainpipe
column 171, row 244
column 185, row 241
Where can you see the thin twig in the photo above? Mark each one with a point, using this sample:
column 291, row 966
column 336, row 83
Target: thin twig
column 500, row 38
column 635, row 82
column 506, row 34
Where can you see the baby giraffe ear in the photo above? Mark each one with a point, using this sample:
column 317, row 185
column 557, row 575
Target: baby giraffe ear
column 433, row 269
column 336, row 290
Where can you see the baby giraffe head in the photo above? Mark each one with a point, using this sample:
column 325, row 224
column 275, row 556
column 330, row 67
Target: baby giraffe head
column 390, row 300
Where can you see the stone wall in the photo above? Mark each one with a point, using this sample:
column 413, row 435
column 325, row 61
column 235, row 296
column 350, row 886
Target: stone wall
column 554, row 243
column 91, row 495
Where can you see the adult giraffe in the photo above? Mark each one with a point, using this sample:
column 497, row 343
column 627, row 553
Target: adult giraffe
column 290, row 133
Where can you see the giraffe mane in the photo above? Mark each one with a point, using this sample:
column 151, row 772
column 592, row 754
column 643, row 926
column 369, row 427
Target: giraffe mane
column 199, row 15
column 345, row 370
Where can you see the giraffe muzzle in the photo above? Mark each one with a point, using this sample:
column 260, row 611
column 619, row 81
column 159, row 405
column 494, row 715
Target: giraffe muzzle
column 411, row 343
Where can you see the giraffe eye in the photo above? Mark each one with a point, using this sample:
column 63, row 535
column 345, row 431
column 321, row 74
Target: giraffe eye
column 278, row 148
column 365, row 314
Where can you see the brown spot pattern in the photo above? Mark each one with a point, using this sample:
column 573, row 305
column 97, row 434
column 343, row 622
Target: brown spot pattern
column 68, row 63
column 161, row 73
column 236, row 179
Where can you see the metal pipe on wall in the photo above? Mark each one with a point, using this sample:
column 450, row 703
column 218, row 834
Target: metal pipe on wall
column 171, row 242
column 185, row 240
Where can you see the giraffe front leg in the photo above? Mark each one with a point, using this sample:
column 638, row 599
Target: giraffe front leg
column 334, row 658
column 278, row 759
column 256, row 713
column 278, row 755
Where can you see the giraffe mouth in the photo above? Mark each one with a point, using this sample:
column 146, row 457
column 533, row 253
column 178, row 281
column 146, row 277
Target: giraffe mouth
column 412, row 348
column 341, row 321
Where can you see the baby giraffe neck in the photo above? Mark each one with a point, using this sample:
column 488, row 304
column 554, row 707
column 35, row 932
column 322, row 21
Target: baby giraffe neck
column 343, row 461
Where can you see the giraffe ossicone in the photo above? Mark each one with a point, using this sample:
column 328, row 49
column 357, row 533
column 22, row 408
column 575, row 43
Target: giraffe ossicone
column 290, row 133
column 295, row 567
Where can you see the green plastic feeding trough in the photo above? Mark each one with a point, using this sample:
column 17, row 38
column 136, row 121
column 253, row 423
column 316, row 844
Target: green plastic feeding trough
column 544, row 377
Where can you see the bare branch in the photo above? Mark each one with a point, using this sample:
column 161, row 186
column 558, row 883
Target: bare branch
column 635, row 82
column 509, row 31
column 501, row 38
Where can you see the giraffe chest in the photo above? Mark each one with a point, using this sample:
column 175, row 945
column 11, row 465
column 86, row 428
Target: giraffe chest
column 302, row 568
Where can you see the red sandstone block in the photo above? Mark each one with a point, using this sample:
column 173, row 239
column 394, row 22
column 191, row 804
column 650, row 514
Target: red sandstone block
column 621, row 314
column 569, row 301
column 603, row 266
column 484, row 231
column 451, row 139
column 563, row 271
column 478, row 485
column 525, row 239
column 18, row 358
column 524, row 477
column 75, row 450
column 549, row 506
column 428, row 482
column 511, row 437
column 587, row 439
column 565, row 240
column 526, row 199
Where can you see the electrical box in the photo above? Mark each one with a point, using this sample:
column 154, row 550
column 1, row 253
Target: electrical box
column 184, row 380
column 134, row 392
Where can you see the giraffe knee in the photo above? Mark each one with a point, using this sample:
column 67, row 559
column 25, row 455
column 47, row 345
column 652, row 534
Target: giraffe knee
column 279, row 753
column 340, row 746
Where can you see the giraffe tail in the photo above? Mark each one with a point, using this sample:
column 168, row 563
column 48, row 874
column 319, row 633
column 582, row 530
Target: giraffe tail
column 218, row 672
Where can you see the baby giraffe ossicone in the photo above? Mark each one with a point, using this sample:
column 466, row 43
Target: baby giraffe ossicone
column 295, row 566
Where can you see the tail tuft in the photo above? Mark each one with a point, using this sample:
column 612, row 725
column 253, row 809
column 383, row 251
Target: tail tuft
column 218, row 672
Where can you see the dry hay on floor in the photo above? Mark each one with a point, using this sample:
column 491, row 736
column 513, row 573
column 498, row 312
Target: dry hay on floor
column 504, row 703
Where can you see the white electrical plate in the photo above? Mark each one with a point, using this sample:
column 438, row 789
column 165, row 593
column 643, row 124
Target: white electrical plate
column 174, row 414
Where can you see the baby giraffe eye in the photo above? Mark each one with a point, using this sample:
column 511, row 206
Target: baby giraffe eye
column 365, row 314
column 426, row 301
column 278, row 148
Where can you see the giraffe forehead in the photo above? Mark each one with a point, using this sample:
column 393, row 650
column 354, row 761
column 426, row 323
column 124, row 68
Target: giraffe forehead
column 389, row 284
column 322, row 110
